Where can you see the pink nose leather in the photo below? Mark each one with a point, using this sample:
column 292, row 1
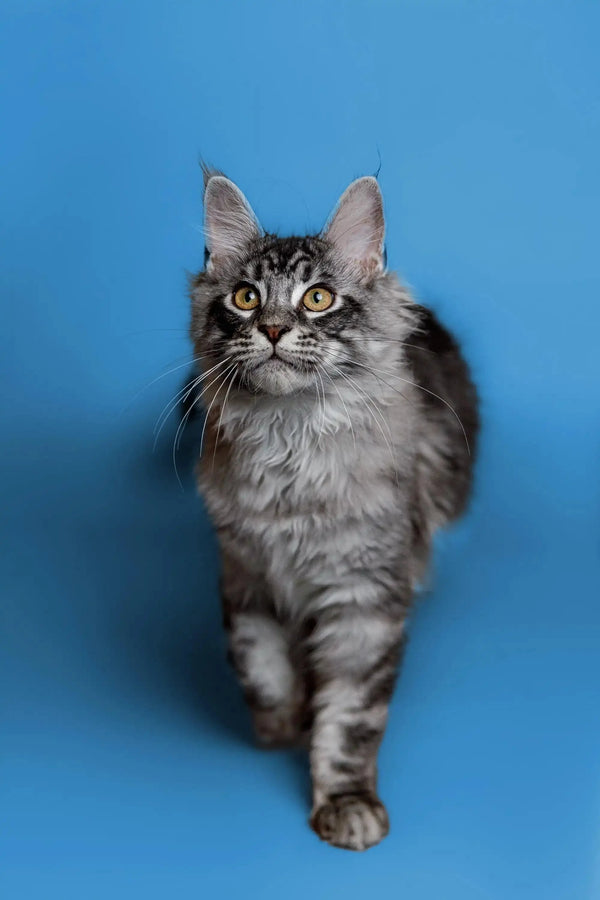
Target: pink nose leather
column 273, row 331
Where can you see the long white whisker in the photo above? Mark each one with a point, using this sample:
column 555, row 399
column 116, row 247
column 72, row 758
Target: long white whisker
column 368, row 403
column 382, row 380
column 181, row 427
column 224, row 375
column 317, row 435
column 343, row 402
column 427, row 391
column 230, row 385
column 184, row 365
column 181, row 396
column 322, row 427
column 384, row 340
column 179, row 432
column 173, row 402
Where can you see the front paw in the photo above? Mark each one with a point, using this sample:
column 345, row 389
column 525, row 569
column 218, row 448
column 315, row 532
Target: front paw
column 351, row 821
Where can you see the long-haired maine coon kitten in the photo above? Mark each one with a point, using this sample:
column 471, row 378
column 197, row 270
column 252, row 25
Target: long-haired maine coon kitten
column 340, row 433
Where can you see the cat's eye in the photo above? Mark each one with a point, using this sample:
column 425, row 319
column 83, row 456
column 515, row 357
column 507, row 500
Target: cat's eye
column 317, row 299
column 246, row 297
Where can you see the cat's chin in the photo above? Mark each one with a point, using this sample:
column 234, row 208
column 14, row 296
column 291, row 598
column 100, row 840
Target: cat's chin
column 277, row 378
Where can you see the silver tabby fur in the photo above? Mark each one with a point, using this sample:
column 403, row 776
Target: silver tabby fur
column 335, row 444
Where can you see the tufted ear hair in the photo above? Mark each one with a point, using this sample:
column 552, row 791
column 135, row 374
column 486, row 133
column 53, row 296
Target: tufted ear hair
column 356, row 228
column 229, row 221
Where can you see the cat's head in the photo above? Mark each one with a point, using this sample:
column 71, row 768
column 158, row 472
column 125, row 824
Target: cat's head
column 282, row 314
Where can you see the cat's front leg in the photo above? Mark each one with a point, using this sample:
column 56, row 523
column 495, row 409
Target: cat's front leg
column 259, row 651
column 353, row 656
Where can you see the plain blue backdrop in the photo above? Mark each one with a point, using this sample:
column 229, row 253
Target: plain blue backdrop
column 128, row 768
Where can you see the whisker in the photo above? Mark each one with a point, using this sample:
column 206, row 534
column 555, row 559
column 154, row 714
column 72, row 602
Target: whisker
column 172, row 404
column 427, row 391
column 322, row 426
column 186, row 391
column 385, row 340
column 189, row 386
column 343, row 402
column 381, row 380
column 201, row 393
column 179, row 432
column 188, row 363
column 230, row 385
column 224, row 375
column 367, row 400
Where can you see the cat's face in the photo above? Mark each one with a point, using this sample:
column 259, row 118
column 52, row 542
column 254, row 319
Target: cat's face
column 281, row 315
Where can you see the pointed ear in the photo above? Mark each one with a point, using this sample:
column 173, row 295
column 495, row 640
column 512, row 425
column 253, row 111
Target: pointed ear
column 356, row 227
column 229, row 222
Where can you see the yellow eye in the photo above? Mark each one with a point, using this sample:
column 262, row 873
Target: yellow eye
column 246, row 298
column 317, row 299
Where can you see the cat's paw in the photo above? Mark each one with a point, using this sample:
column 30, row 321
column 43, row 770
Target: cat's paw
column 278, row 727
column 351, row 821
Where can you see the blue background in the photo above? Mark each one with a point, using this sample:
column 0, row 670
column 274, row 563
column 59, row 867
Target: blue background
column 128, row 768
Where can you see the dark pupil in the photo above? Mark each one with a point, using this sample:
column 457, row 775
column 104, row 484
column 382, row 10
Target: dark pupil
column 317, row 296
column 249, row 296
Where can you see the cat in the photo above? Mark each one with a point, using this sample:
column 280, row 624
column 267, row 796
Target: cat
column 340, row 434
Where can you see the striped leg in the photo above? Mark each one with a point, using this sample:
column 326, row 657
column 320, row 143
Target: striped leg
column 259, row 651
column 260, row 655
column 354, row 655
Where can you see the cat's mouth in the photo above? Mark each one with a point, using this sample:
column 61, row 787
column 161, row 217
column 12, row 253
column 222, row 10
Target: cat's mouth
column 279, row 375
column 276, row 361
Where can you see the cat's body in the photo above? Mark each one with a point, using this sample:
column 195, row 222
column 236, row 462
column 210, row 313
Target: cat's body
column 335, row 446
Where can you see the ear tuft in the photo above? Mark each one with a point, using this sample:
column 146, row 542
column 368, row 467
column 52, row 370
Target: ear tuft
column 356, row 227
column 208, row 172
column 229, row 221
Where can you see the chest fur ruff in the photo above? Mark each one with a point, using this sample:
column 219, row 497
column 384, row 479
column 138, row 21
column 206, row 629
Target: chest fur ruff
column 283, row 465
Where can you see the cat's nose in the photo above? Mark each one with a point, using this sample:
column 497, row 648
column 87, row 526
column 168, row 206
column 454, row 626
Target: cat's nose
column 273, row 332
